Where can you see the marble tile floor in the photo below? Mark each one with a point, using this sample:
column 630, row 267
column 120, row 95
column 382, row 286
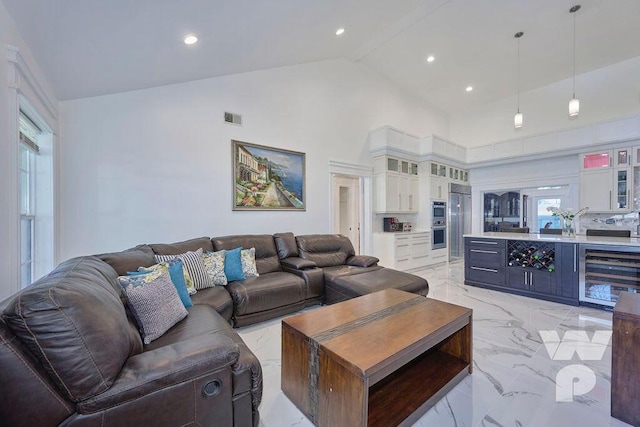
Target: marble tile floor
column 514, row 377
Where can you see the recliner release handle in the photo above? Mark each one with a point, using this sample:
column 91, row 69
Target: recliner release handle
column 212, row 388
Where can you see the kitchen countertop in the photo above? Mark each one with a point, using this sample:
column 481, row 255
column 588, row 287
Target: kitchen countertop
column 414, row 231
column 620, row 241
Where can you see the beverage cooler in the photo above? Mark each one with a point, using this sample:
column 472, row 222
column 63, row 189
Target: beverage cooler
column 606, row 271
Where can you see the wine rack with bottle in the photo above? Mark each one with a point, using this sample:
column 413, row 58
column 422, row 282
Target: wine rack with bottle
column 608, row 273
column 535, row 255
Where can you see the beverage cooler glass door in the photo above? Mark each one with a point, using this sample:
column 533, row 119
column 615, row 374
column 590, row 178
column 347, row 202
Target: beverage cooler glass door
column 607, row 271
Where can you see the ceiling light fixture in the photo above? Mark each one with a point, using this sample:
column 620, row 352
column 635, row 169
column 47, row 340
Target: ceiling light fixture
column 431, row 58
column 469, row 88
column 517, row 119
column 190, row 39
column 574, row 104
column 339, row 31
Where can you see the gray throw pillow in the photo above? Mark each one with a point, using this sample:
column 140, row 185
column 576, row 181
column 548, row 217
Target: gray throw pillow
column 155, row 304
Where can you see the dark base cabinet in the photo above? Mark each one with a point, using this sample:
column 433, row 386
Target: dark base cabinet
column 543, row 270
column 625, row 359
column 485, row 261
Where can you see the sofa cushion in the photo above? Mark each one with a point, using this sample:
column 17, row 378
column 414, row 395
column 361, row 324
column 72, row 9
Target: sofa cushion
column 129, row 260
column 332, row 273
column 267, row 260
column 286, row 245
column 216, row 297
column 190, row 245
column 266, row 292
column 66, row 318
column 355, row 285
column 155, row 304
column 325, row 250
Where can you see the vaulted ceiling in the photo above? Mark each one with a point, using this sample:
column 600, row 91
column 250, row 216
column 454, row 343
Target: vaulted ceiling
column 94, row 47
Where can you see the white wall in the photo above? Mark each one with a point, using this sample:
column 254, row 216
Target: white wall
column 604, row 94
column 155, row 165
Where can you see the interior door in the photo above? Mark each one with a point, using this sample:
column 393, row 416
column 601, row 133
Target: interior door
column 346, row 208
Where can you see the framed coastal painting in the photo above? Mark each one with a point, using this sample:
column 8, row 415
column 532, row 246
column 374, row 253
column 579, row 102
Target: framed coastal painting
column 267, row 178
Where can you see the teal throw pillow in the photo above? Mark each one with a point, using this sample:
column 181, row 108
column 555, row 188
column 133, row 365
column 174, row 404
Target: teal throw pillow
column 233, row 265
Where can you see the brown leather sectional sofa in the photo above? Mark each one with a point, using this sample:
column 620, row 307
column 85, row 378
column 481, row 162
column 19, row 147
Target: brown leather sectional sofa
column 71, row 354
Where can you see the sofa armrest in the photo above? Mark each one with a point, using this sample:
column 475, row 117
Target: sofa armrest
column 362, row 260
column 297, row 263
column 155, row 370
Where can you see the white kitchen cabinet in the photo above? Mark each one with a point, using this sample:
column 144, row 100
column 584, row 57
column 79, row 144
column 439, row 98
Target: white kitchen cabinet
column 387, row 192
column 596, row 190
column 439, row 189
column 402, row 251
column 396, row 185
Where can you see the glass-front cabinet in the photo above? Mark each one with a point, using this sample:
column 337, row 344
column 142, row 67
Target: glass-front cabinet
column 607, row 180
column 622, row 187
column 597, row 160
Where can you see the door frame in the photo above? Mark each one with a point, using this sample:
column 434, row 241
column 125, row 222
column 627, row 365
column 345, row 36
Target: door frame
column 364, row 174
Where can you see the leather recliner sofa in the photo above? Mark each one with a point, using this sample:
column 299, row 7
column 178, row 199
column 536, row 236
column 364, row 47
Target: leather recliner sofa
column 71, row 353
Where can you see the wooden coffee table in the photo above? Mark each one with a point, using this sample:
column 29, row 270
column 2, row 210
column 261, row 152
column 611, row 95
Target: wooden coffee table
column 382, row 359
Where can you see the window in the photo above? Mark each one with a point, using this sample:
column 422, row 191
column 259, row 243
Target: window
column 29, row 133
column 544, row 217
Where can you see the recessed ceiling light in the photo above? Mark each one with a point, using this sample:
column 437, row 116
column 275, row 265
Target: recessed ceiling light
column 339, row 31
column 469, row 88
column 190, row 39
column 431, row 58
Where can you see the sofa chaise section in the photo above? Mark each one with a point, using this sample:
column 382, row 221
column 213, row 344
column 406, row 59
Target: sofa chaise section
column 347, row 275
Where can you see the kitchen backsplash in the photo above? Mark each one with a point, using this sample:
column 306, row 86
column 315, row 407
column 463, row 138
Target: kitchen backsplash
column 607, row 221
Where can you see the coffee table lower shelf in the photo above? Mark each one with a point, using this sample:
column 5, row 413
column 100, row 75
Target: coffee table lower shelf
column 414, row 388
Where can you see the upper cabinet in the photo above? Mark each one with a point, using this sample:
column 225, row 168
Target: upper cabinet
column 396, row 185
column 606, row 180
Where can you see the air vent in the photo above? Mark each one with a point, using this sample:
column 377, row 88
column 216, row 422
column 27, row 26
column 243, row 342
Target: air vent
column 235, row 119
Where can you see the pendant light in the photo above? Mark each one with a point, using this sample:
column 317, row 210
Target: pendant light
column 518, row 118
column 574, row 104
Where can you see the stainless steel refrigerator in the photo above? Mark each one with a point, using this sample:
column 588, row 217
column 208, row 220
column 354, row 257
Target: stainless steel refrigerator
column 459, row 219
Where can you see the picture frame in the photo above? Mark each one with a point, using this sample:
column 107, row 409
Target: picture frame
column 267, row 178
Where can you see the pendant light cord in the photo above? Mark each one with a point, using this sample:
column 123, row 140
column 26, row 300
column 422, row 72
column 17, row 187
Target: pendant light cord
column 518, row 74
column 574, row 54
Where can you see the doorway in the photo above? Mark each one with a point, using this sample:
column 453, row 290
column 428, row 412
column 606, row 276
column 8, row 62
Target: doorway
column 346, row 213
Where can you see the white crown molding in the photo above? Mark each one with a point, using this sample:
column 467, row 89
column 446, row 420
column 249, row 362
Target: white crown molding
column 344, row 168
column 19, row 71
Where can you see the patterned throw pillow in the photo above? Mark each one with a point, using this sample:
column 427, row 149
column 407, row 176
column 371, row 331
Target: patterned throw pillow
column 214, row 264
column 193, row 263
column 155, row 304
column 248, row 258
column 176, row 273
column 233, row 265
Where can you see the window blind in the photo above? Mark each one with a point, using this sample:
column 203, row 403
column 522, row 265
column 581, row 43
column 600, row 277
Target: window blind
column 29, row 133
